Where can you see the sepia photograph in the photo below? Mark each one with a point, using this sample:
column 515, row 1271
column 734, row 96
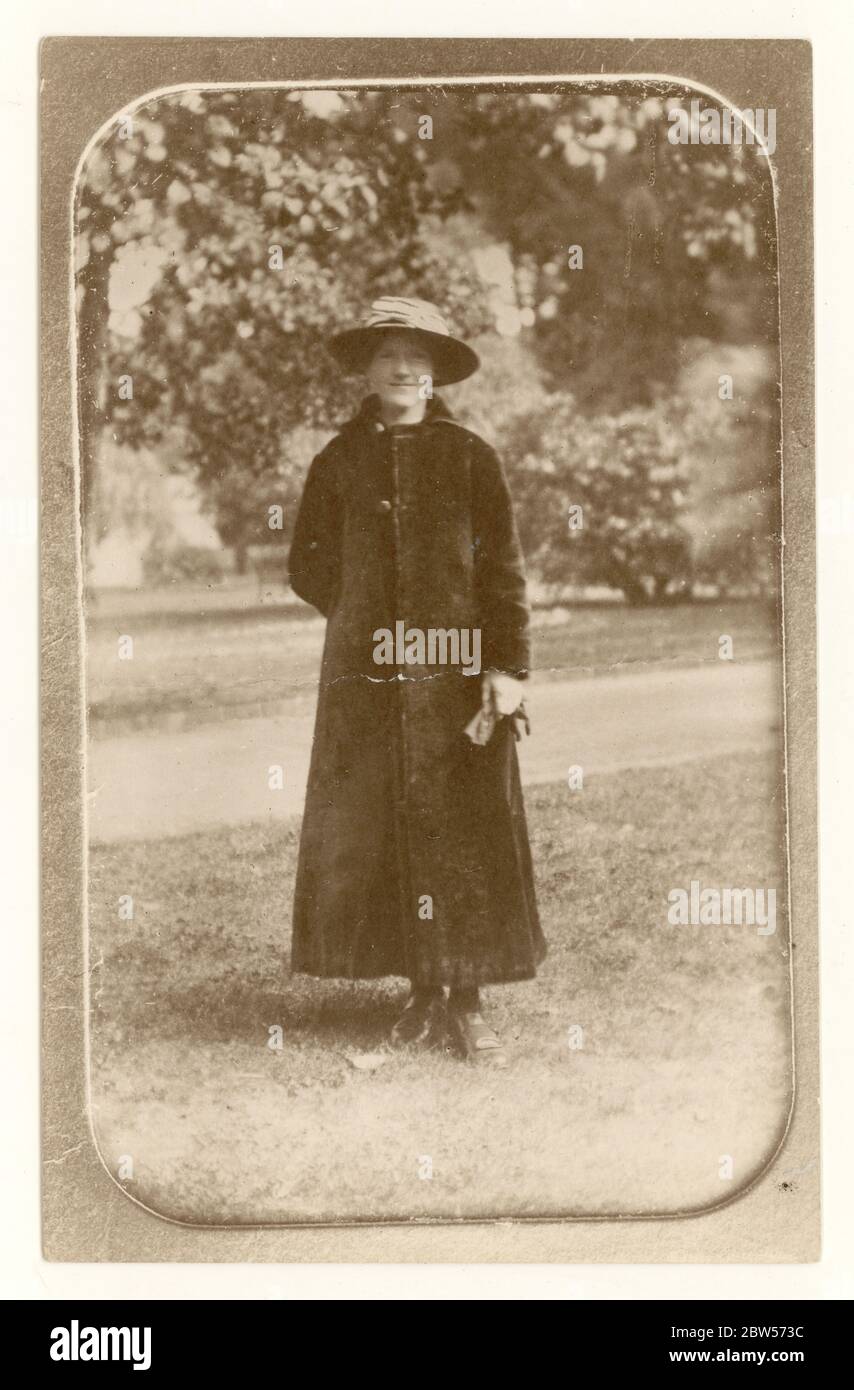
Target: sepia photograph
column 428, row 706
column 430, row 524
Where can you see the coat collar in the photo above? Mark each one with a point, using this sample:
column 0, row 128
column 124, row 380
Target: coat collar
column 369, row 412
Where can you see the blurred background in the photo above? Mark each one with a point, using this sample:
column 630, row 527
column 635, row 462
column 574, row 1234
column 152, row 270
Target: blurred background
column 222, row 236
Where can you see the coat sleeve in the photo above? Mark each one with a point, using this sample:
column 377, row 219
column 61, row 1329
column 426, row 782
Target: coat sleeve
column 314, row 559
column 499, row 570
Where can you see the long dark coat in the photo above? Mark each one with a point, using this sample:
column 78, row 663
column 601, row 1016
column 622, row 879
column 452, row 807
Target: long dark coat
column 414, row 856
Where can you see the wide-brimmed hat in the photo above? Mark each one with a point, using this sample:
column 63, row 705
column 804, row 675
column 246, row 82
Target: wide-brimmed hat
column 453, row 360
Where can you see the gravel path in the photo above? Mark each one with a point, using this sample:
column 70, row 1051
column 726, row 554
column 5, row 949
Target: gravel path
column 154, row 784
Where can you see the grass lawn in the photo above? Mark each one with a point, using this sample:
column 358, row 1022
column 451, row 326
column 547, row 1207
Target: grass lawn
column 198, row 666
column 686, row 1030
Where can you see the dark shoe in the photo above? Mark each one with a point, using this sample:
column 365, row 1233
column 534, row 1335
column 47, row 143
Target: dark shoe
column 423, row 1021
column 475, row 1040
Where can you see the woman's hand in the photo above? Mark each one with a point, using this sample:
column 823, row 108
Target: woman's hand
column 501, row 693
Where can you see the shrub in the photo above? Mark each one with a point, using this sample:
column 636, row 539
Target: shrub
column 189, row 563
column 601, row 499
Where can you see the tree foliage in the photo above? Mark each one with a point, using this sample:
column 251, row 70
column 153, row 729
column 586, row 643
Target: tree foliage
column 222, row 235
column 602, row 499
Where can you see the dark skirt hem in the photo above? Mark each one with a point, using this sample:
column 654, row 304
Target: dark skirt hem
column 458, row 980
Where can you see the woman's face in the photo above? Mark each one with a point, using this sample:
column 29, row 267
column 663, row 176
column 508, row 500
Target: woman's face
column 397, row 369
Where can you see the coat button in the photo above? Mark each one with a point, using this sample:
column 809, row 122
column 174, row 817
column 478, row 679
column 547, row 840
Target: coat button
column 384, row 505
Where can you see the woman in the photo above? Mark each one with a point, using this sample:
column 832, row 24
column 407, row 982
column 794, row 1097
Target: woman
column 414, row 856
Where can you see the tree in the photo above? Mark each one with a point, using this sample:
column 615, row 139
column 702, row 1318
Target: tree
column 222, row 235
column 253, row 224
column 659, row 226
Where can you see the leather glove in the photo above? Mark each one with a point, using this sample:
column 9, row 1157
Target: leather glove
column 521, row 722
